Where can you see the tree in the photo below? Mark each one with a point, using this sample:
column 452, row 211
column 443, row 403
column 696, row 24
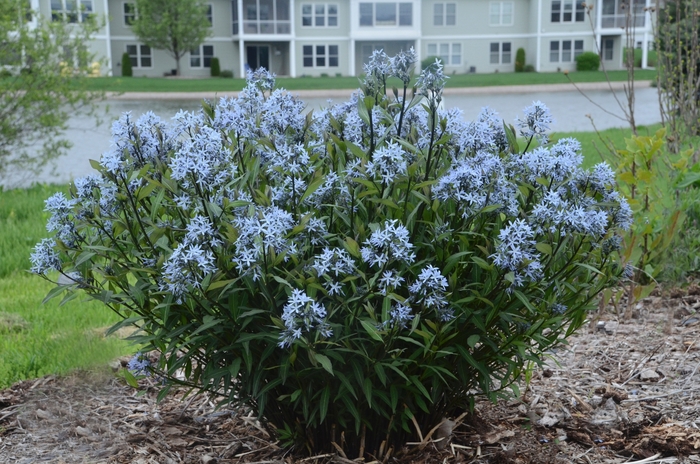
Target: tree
column 678, row 48
column 40, row 62
column 176, row 26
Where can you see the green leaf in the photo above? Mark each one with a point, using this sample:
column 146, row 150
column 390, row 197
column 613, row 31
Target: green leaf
column 324, row 362
column 369, row 328
column 473, row 340
column 323, row 406
column 367, row 388
column 130, row 379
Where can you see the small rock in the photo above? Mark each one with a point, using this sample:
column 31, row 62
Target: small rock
column 595, row 401
column 41, row 414
column 549, row 420
column 648, row 375
column 207, row 459
column 82, row 431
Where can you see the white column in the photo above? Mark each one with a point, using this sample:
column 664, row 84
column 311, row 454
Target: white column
column 645, row 39
column 108, row 39
column 241, row 40
column 598, row 26
column 293, row 58
column 538, row 51
column 293, row 42
column 351, row 57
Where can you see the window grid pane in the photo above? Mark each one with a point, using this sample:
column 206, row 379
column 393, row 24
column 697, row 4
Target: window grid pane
column 405, row 14
column 438, row 14
column 451, row 14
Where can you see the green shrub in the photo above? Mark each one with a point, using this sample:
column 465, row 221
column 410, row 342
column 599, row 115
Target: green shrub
column 529, row 68
column 588, row 61
column 520, row 60
column 126, row 66
column 361, row 272
column 226, row 73
column 215, row 67
column 429, row 62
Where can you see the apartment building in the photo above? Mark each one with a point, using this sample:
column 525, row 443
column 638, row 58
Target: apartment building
column 335, row 37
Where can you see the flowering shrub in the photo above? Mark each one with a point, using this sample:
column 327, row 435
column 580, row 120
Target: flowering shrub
column 352, row 274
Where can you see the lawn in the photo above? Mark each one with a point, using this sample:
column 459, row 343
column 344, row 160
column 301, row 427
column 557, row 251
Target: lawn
column 38, row 339
column 161, row 84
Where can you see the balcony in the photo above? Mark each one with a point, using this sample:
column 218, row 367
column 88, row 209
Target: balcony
column 262, row 17
column 619, row 21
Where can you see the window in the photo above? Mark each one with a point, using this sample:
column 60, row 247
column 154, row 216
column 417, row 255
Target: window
column 320, row 56
column 72, row 11
column 500, row 53
column 501, row 13
column 444, row 14
column 563, row 52
column 319, row 15
column 210, row 14
column 386, row 14
column 201, row 56
column 450, row 53
column 129, row 13
column 140, row 56
column 568, row 11
column 608, row 46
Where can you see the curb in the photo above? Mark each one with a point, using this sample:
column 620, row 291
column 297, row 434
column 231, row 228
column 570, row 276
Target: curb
column 345, row 93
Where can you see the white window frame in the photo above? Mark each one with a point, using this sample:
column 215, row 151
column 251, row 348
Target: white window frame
column 498, row 10
column 312, row 16
column 324, row 54
column 452, row 50
column 78, row 15
column 575, row 48
column 441, row 16
column 128, row 17
column 140, row 55
column 201, row 57
column 501, row 53
column 572, row 7
column 397, row 14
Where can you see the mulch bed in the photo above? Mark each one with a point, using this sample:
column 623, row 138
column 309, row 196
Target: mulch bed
column 620, row 392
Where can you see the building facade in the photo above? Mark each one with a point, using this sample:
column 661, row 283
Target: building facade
column 335, row 37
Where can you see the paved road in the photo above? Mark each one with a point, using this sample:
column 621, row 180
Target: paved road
column 569, row 108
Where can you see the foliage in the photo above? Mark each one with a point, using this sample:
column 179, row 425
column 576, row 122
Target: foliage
column 127, row 70
column 588, row 61
column 677, row 38
column 360, row 272
column 35, row 99
column 651, row 57
column 649, row 181
column 176, row 26
column 429, row 61
column 226, row 73
column 215, row 67
column 520, row 60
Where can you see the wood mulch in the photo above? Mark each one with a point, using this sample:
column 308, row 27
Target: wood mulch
column 620, row 392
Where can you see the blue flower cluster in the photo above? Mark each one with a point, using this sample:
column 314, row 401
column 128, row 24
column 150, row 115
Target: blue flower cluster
column 252, row 183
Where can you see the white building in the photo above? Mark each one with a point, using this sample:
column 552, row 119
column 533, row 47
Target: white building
column 335, row 37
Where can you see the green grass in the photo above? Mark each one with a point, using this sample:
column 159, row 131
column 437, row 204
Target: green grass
column 44, row 338
column 22, row 225
column 56, row 339
column 160, row 84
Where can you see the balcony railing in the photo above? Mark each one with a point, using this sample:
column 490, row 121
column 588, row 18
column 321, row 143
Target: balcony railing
column 264, row 27
column 612, row 21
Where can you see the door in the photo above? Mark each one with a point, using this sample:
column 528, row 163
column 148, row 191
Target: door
column 258, row 56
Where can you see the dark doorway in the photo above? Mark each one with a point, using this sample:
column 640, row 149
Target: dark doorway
column 258, row 56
